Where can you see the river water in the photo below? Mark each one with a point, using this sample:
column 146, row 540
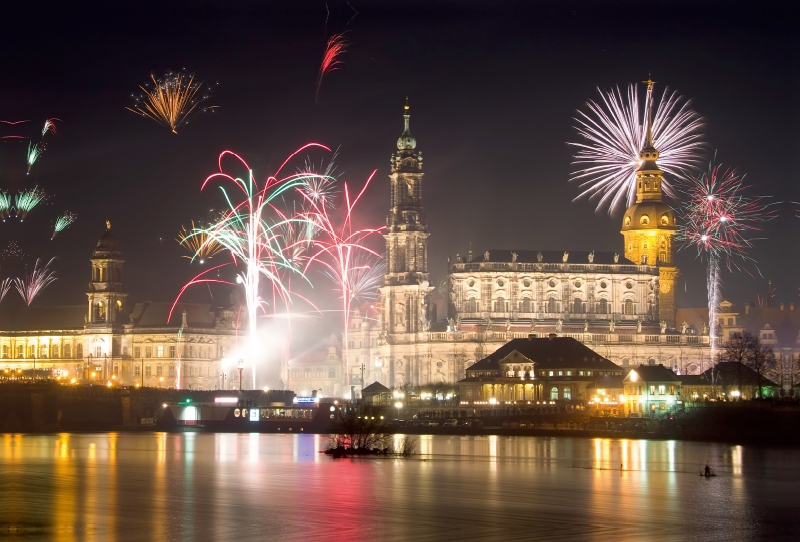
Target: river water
column 159, row 486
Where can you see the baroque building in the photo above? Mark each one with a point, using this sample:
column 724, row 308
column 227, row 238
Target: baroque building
column 622, row 306
column 109, row 342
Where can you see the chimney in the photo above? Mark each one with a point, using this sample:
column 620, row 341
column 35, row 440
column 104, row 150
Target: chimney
column 781, row 306
column 747, row 308
column 531, row 336
column 552, row 336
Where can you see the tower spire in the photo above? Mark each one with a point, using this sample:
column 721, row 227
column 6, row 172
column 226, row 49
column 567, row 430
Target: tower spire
column 649, row 84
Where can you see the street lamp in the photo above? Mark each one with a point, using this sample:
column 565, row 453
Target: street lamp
column 240, row 363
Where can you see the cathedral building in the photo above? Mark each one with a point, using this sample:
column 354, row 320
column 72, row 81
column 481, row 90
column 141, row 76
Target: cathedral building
column 621, row 305
column 109, row 342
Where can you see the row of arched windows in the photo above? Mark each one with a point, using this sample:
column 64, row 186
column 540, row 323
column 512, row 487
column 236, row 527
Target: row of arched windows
column 527, row 305
column 44, row 351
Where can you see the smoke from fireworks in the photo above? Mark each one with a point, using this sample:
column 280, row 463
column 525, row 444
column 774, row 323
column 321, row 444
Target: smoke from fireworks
column 719, row 221
column 63, row 221
column 335, row 47
column 171, row 99
column 614, row 131
column 31, row 285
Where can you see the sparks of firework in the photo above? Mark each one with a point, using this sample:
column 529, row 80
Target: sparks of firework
column 365, row 277
column 340, row 249
column 41, row 277
column 26, row 200
column 64, row 220
column 718, row 220
column 5, row 286
column 35, row 150
column 197, row 242
column 6, row 204
column 252, row 232
column 13, row 252
column 49, row 126
column 613, row 131
column 319, row 183
column 171, row 99
column 336, row 46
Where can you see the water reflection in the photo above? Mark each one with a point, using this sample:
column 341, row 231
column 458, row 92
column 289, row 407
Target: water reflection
column 160, row 486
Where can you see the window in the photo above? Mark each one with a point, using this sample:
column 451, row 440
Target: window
column 652, row 390
column 500, row 305
column 551, row 373
column 560, row 373
column 672, row 390
column 98, row 351
column 730, row 321
column 640, row 390
column 628, row 307
column 191, row 351
column 222, row 351
column 577, row 306
column 160, row 351
column 79, row 351
column 588, row 373
column 471, row 305
column 43, row 351
column 67, row 350
column 5, row 351
column 147, row 370
column 569, row 373
column 552, row 305
column 554, row 394
column 53, row 351
column 136, row 370
column 580, row 373
column 331, row 373
column 31, row 351
column 602, row 307
column 567, row 394
column 159, row 370
column 116, row 370
column 191, row 370
column 525, row 305
column 148, row 351
column 172, row 351
column 662, row 390
column 306, row 373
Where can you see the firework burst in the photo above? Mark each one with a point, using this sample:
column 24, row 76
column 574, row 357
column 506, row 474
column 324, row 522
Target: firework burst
column 613, row 133
column 31, row 285
column 340, row 249
column 50, row 126
column 6, row 204
column 198, row 243
column 25, row 201
column 64, row 220
column 171, row 99
column 253, row 231
column 35, row 150
column 719, row 221
column 5, row 286
column 335, row 47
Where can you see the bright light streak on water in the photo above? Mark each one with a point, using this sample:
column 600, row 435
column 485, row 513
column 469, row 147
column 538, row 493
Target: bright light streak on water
column 158, row 486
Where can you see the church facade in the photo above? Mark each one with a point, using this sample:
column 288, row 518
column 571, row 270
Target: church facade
column 621, row 305
column 108, row 342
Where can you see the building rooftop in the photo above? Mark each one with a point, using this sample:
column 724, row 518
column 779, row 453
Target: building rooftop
column 549, row 353
column 655, row 373
column 550, row 256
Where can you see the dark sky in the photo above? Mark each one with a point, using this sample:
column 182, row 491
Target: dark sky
column 493, row 91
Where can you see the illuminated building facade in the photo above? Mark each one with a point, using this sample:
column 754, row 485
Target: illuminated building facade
column 108, row 341
column 620, row 305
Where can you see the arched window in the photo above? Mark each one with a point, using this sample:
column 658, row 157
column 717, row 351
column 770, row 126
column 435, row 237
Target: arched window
column 31, row 351
column 526, row 305
column 43, row 351
column 552, row 305
column 577, row 306
column 554, row 394
column 626, row 361
column 500, row 305
column 628, row 307
column 602, row 307
column 54, row 351
column 567, row 394
column 5, row 351
column 471, row 305
column 100, row 311
column 68, row 351
column 79, row 351
column 651, row 361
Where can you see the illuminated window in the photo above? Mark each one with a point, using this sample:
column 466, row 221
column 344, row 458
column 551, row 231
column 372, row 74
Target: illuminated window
column 567, row 394
column 79, row 351
column 652, row 390
column 645, row 220
column 662, row 390
column 627, row 221
column 560, row 373
column 67, row 351
column 553, row 394
column 31, row 351
column 672, row 390
column 569, row 373
column 160, row 351
column 53, row 351
column 43, row 351
column 551, row 373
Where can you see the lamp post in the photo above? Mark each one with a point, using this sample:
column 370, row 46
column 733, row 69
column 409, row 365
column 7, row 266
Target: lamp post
column 362, row 376
column 240, row 363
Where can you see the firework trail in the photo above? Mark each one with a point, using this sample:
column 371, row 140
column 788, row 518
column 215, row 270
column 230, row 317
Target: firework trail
column 365, row 277
column 64, row 220
column 613, row 132
column 197, row 242
column 26, row 200
column 319, row 183
column 718, row 220
column 34, row 152
column 30, row 286
column 171, row 99
column 340, row 249
column 336, row 46
column 50, row 126
column 5, row 286
column 252, row 231
column 6, row 204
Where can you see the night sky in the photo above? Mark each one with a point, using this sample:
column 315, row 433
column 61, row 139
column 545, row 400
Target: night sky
column 492, row 92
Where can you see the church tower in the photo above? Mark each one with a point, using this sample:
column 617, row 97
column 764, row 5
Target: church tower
column 106, row 295
column 406, row 285
column 649, row 225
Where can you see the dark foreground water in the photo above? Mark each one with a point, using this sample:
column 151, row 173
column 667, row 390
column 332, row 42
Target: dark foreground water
column 156, row 486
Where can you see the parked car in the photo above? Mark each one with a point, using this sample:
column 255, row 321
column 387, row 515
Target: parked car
column 450, row 423
column 470, row 423
column 429, row 423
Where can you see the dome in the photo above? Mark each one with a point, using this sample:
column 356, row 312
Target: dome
column 107, row 242
column 406, row 142
column 649, row 215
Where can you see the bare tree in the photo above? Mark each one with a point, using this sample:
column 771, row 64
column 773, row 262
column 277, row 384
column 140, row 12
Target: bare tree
column 360, row 427
column 762, row 361
column 739, row 350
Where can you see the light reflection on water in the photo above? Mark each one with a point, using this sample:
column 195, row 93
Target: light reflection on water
column 159, row 486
